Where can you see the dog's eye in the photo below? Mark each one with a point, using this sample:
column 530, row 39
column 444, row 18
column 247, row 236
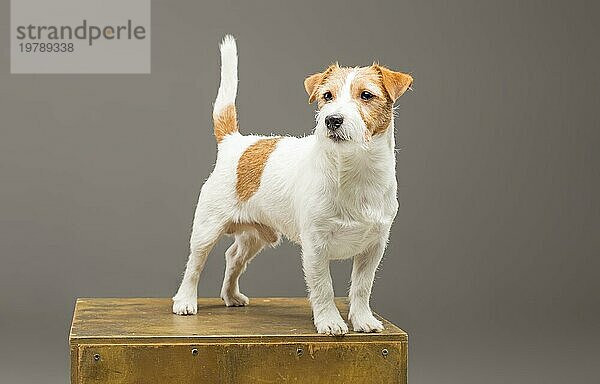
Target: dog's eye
column 365, row 95
column 327, row 96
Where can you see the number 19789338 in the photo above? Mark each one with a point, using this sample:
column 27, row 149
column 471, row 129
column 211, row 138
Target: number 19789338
column 46, row 47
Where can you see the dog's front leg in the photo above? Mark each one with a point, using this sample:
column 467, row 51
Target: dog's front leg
column 326, row 316
column 363, row 274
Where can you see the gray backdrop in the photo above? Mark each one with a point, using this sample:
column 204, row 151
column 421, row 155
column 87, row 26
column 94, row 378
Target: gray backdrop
column 493, row 264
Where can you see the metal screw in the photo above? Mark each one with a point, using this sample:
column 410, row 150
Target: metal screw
column 299, row 352
column 384, row 352
column 96, row 357
column 195, row 351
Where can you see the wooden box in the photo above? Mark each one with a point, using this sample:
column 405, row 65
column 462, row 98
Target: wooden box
column 269, row 341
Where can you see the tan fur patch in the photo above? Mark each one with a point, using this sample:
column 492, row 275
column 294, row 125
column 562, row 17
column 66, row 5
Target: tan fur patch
column 226, row 122
column 376, row 112
column 251, row 166
column 313, row 83
column 265, row 232
column 333, row 83
column 396, row 83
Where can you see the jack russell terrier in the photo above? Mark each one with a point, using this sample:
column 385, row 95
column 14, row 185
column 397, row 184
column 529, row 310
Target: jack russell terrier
column 333, row 192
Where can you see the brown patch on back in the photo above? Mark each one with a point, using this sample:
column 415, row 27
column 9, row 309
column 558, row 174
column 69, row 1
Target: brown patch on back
column 251, row 166
column 225, row 122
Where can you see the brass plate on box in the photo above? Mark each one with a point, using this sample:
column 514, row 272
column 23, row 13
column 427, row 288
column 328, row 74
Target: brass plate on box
column 243, row 363
column 272, row 340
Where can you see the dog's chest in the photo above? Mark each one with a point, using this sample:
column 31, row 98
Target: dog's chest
column 347, row 230
column 346, row 238
column 350, row 221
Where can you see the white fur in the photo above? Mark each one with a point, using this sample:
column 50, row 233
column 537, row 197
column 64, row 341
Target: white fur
column 336, row 199
column 229, row 76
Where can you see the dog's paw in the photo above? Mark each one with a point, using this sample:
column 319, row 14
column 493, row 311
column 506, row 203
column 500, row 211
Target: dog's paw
column 235, row 299
column 365, row 322
column 331, row 324
column 185, row 306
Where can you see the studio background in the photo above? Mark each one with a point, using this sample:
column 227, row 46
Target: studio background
column 493, row 264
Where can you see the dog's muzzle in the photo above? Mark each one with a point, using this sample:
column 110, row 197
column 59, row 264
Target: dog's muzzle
column 333, row 124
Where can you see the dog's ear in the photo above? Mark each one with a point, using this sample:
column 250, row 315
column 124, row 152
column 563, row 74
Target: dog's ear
column 312, row 82
column 395, row 83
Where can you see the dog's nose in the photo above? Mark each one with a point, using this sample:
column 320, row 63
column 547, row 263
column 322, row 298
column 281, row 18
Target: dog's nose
column 333, row 122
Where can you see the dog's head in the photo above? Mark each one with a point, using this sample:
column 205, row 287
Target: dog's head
column 355, row 104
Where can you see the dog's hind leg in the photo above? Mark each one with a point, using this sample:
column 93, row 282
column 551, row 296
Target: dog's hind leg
column 245, row 247
column 207, row 230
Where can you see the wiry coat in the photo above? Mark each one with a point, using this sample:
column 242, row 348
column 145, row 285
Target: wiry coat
column 333, row 192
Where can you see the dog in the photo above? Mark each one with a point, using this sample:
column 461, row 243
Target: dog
column 333, row 192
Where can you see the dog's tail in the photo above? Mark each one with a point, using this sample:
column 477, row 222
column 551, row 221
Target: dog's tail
column 224, row 113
